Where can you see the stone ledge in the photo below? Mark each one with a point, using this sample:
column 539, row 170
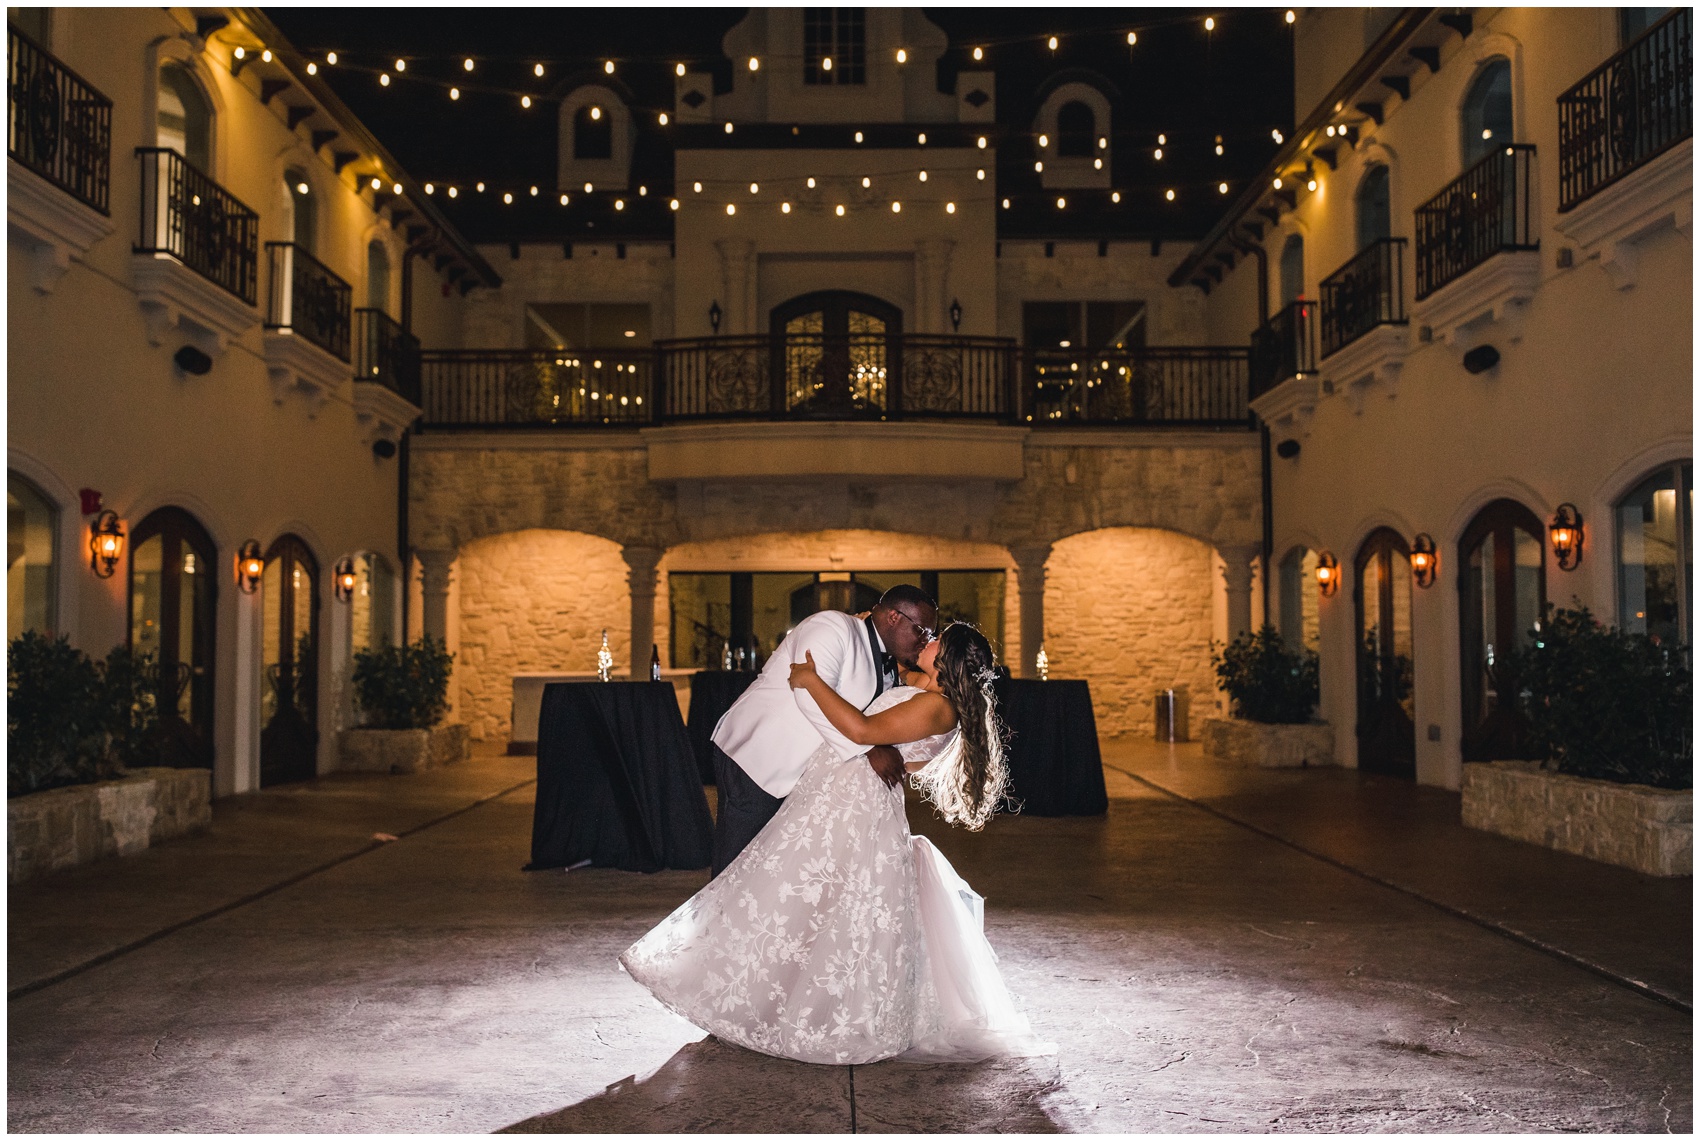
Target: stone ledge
column 403, row 750
column 1269, row 746
column 68, row 827
column 1650, row 830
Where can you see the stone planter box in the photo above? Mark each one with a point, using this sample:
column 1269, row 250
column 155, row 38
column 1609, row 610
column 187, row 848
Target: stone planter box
column 1269, row 746
column 403, row 750
column 66, row 827
column 1631, row 825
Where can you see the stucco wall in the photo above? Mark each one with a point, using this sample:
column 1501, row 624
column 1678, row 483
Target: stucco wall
column 1130, row 610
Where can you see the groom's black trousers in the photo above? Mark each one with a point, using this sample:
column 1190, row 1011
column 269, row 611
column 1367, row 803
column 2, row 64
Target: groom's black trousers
column 745, row 809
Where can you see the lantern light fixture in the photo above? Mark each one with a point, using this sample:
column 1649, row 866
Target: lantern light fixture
column 1566, row 534
column 1425, row 560
column 1327, row 574
column 714, row 316
column 250, row 565
column 106, row 543
column 344, row 579
column 956, row 315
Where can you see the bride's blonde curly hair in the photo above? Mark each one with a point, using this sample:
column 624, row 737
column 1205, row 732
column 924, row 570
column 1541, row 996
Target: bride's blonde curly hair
column 967, row 782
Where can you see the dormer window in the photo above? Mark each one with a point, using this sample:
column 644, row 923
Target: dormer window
column 835, row 46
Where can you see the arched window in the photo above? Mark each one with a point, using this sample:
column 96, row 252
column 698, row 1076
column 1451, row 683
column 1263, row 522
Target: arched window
column 1076, row 128
column 593, row 133
column 1299, row 611
column 377, row 276
column 1292, row 269
column 1655, row 559
column 32, row 526
column 836, row 345
column 1387, row 733
column 1375, row 207
column 1486, row 115
column 301, row 217
column 1502, row 591
column 289, row 694
column 372, row 609
column 173, row 608
column 185, row 116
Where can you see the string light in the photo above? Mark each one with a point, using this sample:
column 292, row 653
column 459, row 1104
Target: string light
column 1039, row 167
column 1310, row 184
column 1221, row 188
column 696, row 187
column 1044, row 140
column 858, row 136
column 454, row 192
column 755, row 64
column 1006, row 204
column 1291, row 15
column 897, row 207
column 401, row 65
column 378, row 184
column 902, row 56
column 1210, row 23
column 1157, row 154
column 867, row 183
column 565, row 200
column 731, row 209
column 1277, row 182
column 950, row 207
column 330, row 58
column 1115, row 196
column 1132, row 38
column 1330, row 131
column 839, row 210
column 303, row 189
column 454, row 93
column 1062, row 203
column 266, row 56
column 811, row 182
column 1170, row 195
column 1052, row 43
column 467, row 63
column 672, row 204
column 826, row 63
column 534, row 192
column 525, row 101
column 1218, row 144
column 608, row 68
column 619, row 203
column 312, row 68
column 1097, row 164
column 979, row 55
column 1277, row 136
column 537, row 71
column 384, row 79
column 588, row 188
column 679, row 70
column 922, row 175
column 595, row 114
column 1162, row 140
column 480, row 188
column 981, row 142
column 1103, row 143
column 507, row 199
column 921, row 139
column 785, row 207
column 755, row 187
column 643, row 192
column 728, row 128
column 980, row 174
column 662, row 118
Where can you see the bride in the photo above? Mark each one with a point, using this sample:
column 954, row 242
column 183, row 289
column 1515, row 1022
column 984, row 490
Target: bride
column 836, row 936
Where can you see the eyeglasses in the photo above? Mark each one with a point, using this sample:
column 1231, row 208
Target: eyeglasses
column 925, row 633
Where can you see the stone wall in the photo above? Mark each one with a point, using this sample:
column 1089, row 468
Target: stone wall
column 67, row 827
column 1130, row 610
column 1632, row 825
column 534, row 600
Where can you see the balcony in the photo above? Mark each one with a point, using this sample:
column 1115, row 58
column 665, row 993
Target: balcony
column 810, row 377
column 1283, row 347
column 1365, row 293
column 1628, row 111
column 197, row 252
column 60, row 140
column 386, row 375
column 1483, row 212
column 307, row 299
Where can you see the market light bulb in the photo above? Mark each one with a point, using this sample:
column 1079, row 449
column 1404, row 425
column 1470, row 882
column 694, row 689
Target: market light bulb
column 731, row 209
column 755, row 64
column 525, row 101
column 1103, row 143
column 1157, row 154
column 453, row 192
column 396, row 189
column 619, row 203
column 839, row 210
column 1277, row 182
column 608, row 68
column 377, row 184
column 897, row 207
column 921, row 139
column 401, row 65
column 565, row 200
column 673, row 204
column 867, row 183
column 1291, row 15
column 1006, row 204
column 1162, row 140
column 1039, row 167
column 1051, row 43
column 507, row 199
column 303, row 188
column 480, row 188
column 858, row 136
column 1330, row 131
column 534, row 192
column 679, row 70
column 696, row 188
column 1310, row 185
column 1221, row 188
column 595, row 114
column 755, row 188
column 980, row 174
column 1277, row 135
column 330, row 58
column 981, row 142
column 1132, row 38
column 1062, row 203
column 662, row 118
column 643, row 192
column 467, row 63
column 728, row 128
column 979, row 54
column 826, row 63
column 537, row 71
column 902, row 56
column 950, row 207
column 1097, row 164
column 922, row 175
column 384, row 79
column 1169, row 194
column 589, row 188
column 240, row 52
column 1210, row 23
column 454, row 93
column 785, row 207
column 811, row 182
column 1115, row 196
column 312, row 68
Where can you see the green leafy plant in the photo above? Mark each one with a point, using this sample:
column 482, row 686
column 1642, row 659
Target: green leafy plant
column 1605, row 704
column 403, row 687
column 58, row 716
column 131, row 702
column 1266, row 681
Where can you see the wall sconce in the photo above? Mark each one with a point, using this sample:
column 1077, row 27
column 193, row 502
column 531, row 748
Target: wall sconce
column 106, row 544
column 1566, row 534
column 714, row 317
column 343, row 579
column 250, row 565
column 1424, row 559
column 1327, row 574
column 955, row 315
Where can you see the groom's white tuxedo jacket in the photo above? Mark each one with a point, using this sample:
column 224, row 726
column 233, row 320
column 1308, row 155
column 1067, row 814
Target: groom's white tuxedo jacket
column 772, row 730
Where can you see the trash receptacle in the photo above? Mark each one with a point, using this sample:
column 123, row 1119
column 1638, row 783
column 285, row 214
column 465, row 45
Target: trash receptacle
column 1172, row 714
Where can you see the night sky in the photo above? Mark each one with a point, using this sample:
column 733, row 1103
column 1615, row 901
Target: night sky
column 1179, row 80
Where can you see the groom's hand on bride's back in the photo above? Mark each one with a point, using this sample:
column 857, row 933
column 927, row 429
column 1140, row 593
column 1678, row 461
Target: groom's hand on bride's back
column 887, row 763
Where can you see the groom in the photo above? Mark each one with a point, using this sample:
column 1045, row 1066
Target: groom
column 765, row 739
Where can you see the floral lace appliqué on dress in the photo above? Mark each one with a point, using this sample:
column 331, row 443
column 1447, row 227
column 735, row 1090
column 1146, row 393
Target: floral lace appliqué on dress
column 814, row 943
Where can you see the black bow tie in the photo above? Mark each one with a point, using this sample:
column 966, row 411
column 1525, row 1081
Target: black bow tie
column 888, row 664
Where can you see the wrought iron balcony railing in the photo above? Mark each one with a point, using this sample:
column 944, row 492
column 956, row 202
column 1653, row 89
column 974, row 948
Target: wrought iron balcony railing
column 1632, row 108
column 1366, row 292
column 387, row 354
column 192, row 218
column 60, row 126
column 1484, row 211
column 844, row 378
column 308, row 299
column 1283, row 347
column 1164, row 385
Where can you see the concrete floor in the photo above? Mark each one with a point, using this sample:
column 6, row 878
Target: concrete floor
column 1225, row 951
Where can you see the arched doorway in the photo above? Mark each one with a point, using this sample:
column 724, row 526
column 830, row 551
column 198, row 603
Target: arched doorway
column 1387, row 738
column 1486, row 115
column 1501, row 594
column 838, row 352
column 173, row 592
column 289, row 699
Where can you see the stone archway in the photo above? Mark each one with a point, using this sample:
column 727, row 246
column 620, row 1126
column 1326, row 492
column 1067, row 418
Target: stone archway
column 534, row 600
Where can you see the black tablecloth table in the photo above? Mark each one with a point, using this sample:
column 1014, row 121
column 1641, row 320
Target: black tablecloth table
column 616, row 782
column 712, row 694
column 1054, row 765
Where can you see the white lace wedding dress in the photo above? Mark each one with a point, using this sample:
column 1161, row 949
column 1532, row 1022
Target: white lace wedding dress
column 836, row 936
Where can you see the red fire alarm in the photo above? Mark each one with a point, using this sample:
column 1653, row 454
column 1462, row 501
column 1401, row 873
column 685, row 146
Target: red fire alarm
column 91, row 501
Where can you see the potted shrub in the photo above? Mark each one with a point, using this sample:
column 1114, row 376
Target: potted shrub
column 82, row 746
column 1609, row 713
column 401, row 693
column 1273, row 691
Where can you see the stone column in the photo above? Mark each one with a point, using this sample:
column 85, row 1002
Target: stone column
column 434, row 592
column 932, row 271
column 738, row 276
column 1237, row 573
column 641, row 578
column 1030, row 582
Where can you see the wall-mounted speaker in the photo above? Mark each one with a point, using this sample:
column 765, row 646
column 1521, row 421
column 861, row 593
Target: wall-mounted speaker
column 192, row 361
column 1481, row 358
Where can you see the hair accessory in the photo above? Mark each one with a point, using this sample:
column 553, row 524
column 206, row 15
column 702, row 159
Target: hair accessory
column 987, row 675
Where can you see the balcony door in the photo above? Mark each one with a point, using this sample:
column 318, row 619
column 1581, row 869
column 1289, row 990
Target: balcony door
column 1502, row 591
column 839, row 354
column 173, row 592
column 1387, row 741
column 289, row 698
